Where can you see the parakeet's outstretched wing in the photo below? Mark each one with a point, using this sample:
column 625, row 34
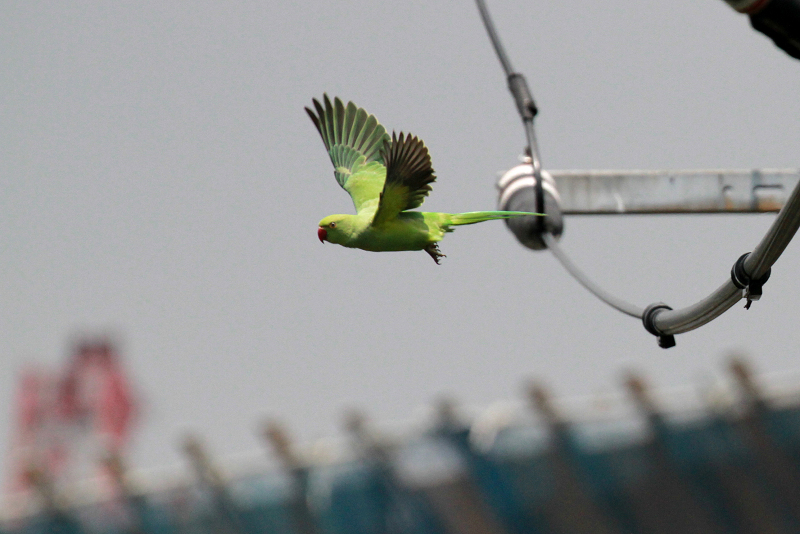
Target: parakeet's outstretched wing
column 408, row 177
column 354, row 140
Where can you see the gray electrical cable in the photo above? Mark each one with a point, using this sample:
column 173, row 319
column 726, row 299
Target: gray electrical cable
column 756, row 265
column 621, row 305
column 527, row 110
column 777, row 237
column 526, row 107
column 498, row 48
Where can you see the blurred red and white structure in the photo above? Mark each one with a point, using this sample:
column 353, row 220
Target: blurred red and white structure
column 67, row 421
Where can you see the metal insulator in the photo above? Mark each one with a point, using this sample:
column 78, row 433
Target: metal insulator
column 518, row 193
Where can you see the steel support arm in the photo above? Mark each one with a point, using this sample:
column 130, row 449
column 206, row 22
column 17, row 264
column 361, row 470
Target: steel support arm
column 692, row 191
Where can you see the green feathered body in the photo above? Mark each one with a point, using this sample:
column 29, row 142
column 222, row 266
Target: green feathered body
column 410, row 230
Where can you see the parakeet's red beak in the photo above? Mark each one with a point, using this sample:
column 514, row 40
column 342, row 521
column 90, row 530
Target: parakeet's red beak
column 322, row 233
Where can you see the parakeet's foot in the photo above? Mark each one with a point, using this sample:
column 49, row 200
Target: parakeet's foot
column 435, row 253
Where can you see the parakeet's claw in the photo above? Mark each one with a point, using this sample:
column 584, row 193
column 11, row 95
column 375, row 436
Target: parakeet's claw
column 435, row 253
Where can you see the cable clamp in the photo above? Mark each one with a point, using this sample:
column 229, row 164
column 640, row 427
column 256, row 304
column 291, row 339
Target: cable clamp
column 751, row 289
column 522, row 96
column 665, row 341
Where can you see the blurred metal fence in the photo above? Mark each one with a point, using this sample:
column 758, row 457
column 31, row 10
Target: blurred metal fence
column 728, row 468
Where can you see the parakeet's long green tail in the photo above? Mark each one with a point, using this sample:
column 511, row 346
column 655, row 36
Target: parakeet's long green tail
column 472, row 217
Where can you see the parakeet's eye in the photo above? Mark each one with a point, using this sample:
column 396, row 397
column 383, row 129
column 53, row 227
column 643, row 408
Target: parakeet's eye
column 332, row 225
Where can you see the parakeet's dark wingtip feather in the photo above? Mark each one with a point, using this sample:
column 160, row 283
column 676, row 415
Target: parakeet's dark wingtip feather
column 315, row 120
column 320, row 110
column 408, row 175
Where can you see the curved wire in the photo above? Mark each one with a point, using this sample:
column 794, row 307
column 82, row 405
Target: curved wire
column 526, row 107
column 625, row 307
column 527, row 110
column 498, row 47
column 766, row 253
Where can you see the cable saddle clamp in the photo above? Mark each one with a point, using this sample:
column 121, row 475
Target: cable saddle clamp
column 665, row 341
column 751, row 289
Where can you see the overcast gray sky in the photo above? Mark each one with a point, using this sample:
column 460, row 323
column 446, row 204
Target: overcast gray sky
column 160, row 177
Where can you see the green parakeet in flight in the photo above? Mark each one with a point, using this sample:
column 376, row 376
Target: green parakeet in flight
column 385, row 177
